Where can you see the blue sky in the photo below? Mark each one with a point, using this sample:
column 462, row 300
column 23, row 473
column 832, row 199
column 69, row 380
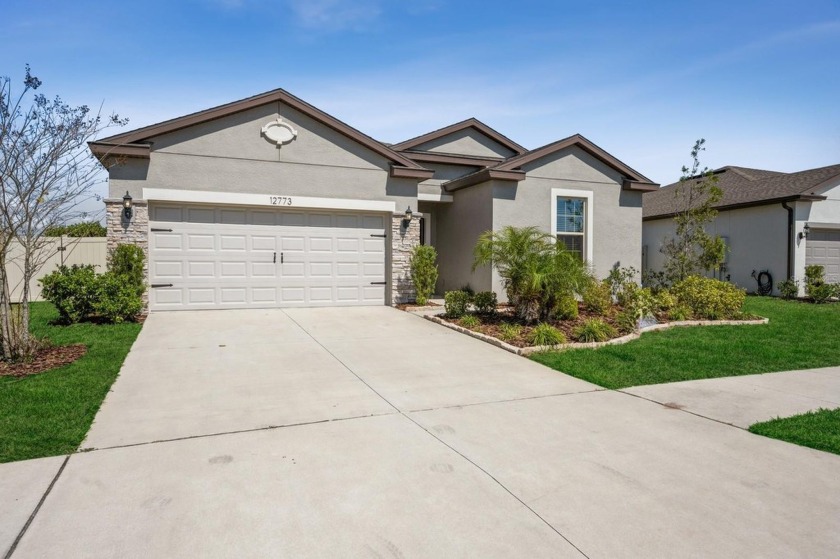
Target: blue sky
column 759, row 80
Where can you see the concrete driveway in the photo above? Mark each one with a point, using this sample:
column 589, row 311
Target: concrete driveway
column 368, row 432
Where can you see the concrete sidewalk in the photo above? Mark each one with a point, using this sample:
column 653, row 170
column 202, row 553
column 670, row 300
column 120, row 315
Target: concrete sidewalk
column 370, row 432
column 742, row 401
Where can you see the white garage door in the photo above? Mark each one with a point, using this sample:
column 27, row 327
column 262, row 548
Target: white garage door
column 203, row 257
column 823, row 248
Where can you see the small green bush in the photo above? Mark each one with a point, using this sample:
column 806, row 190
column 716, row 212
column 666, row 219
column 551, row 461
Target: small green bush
column 546, row 335
column 789, row 288
column 424, row 272
column 470, row 321
column 485, row 302
column 663, row 300
column 680, row 312
column 814, row 276
column 456, row 303
column 594, row 330
column 823, row 292
column 83, row 229
column 627, row 321
column 656, row 281
column 509, row 332
column 127, row 261
column 566, row 308
column 72, row 290
column 116, row 299
column 709, row 298
column 620, row 279
column 597, row 297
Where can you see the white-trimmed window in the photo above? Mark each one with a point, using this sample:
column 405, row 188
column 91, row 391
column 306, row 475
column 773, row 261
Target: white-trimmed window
column 571, row 220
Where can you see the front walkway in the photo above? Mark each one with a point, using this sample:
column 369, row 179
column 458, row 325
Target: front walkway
column 370, row 432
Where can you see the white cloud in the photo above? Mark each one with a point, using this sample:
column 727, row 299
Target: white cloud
column 335, row 15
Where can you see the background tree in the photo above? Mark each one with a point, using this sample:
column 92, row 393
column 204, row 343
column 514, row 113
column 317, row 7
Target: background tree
column 692, row 249
column 46, row 172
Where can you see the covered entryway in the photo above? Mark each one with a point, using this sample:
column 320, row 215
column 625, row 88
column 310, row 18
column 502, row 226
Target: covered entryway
column 823, row 248
column 209, row 257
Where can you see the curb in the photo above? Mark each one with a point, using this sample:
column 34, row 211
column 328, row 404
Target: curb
column 575, row 345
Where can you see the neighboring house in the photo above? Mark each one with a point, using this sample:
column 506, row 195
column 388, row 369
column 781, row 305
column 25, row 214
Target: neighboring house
column 271, row 202
column 770, row 221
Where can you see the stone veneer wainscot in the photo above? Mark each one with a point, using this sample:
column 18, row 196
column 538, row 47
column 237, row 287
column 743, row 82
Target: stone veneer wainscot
column 134, row 232
column 403, row 241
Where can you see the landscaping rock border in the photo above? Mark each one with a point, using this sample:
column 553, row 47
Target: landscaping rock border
column 574, row 345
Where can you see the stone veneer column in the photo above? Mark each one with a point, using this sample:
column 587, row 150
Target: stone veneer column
column 133, row 232
column 403, row 241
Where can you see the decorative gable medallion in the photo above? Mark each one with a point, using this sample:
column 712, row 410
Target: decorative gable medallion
column 279, row 132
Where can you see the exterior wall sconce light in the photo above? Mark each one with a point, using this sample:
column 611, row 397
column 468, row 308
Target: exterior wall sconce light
column 407, row 217
column 805, row 232
column 127, row 205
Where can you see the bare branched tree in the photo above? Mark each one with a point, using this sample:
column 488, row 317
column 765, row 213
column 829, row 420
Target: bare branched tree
column 692, row 249
column 46, row 172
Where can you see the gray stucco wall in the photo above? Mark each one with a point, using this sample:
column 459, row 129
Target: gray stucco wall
column 617, row 220
column 230, row 155
column 457, row 227
column 757, row 239
column 467, row 142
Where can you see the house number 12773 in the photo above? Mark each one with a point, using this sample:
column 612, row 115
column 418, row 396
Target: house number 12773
column 280, row 200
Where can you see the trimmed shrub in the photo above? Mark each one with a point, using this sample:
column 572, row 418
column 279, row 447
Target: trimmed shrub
column 708, row 298
column 597, row 297
column 83, row 229
column 640, row 302
column 116, row 299
column 470, row 321
column 814, row 276
column 127, row 261
column 627, row 321
column 680, row 312
column 789, row 288
column 594, row 330
column 72, row 290
column 509, row 332
column 663, row 300
column 546, row 335
column 823, row 292
column 566, row 308
column 424, row 272
column 456, row 303
column 485, row 302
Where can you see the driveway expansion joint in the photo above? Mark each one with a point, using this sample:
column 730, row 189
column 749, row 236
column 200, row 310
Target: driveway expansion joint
column 672, row 406
column 37, row 508
column 455, row 406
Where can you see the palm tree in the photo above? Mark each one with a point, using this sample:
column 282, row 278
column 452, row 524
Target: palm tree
column 536, row 271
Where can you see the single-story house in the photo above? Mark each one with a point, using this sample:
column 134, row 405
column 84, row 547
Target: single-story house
column 269, row 201
column 770, row 221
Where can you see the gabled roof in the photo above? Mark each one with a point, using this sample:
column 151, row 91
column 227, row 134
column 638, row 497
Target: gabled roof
column 494, row 135
column 748, row 187
column 510, row 169
column 136, row 142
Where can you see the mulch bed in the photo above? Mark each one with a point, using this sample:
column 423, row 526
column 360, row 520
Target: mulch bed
column 491, row 325
column 45, row 360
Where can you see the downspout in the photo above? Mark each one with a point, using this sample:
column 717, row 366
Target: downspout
column 790, row 240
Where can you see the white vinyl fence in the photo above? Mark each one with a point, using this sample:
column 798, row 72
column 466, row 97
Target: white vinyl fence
column 57, row 251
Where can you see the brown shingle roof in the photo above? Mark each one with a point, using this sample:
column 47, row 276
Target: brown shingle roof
column 742, row 186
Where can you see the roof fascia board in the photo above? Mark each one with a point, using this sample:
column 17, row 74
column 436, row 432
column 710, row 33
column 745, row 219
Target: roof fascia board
column 638, row 186
column 583, row 143
column 483, row 176
column 102, row 150
column 277, row 95
column 457, row 127
column 754, row 203
column 452, row 159
column 411, row 172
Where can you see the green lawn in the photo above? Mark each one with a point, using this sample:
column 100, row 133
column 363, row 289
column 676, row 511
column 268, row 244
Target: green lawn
column 799, row 336
column 49, row 413
column 816, row 429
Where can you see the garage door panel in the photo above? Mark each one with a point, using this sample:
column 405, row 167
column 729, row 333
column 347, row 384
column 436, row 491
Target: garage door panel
column 227, row 258
column 823, row 249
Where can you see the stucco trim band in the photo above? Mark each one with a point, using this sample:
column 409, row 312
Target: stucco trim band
column 424, row 197
column 277, row 201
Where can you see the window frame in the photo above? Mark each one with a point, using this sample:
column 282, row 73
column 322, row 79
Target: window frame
column 588, row 197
